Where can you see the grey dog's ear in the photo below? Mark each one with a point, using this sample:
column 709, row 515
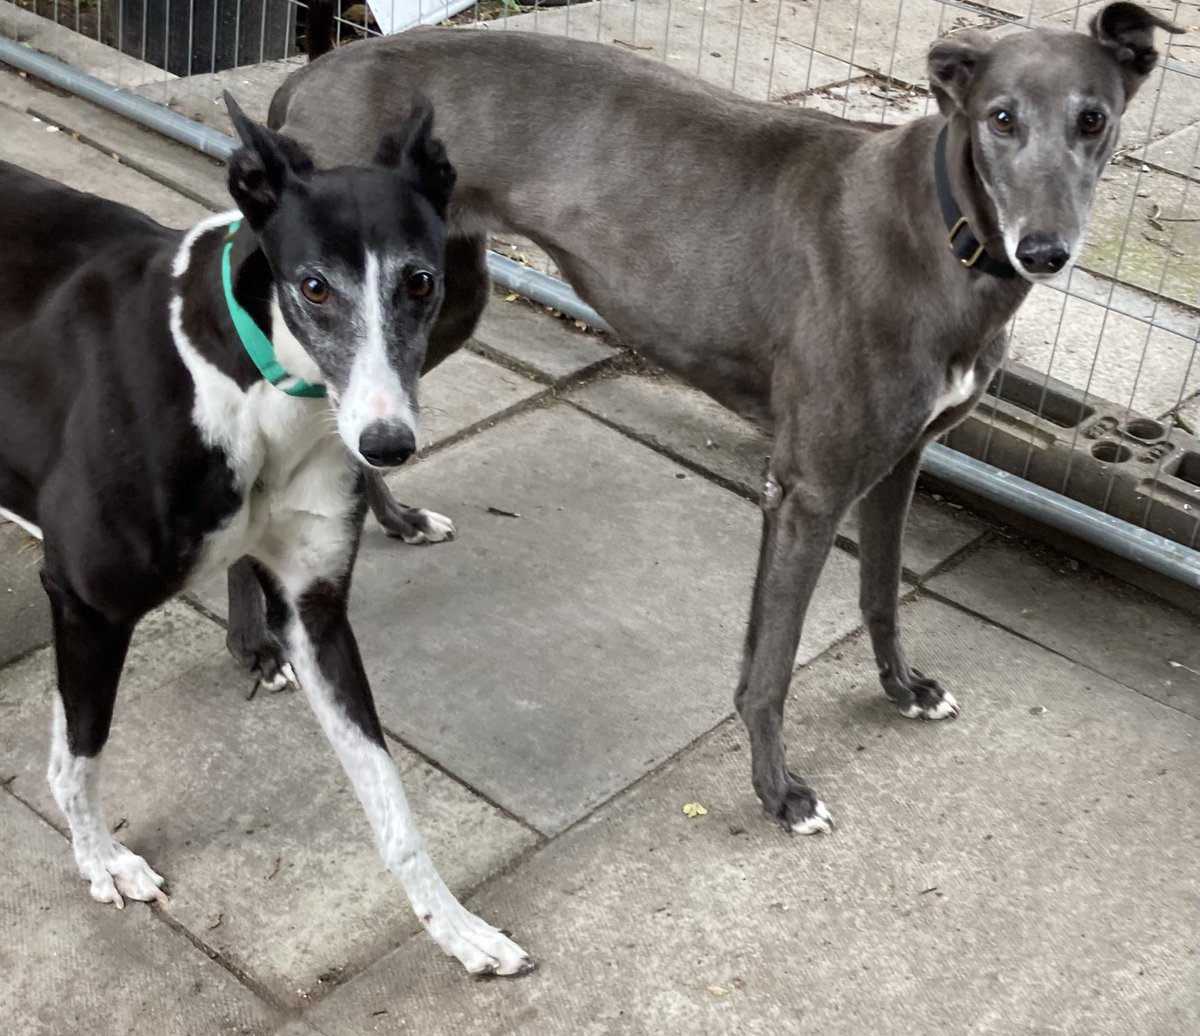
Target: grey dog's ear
column 952, row 66
column 1126, row 31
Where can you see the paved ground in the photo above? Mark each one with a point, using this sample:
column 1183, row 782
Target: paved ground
column 557, row 687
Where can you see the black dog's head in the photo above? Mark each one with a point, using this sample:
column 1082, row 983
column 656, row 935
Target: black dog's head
column 357, row 255
column 1042, row 110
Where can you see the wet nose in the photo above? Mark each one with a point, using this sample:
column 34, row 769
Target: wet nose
column 387, row 443
column 1043, row 253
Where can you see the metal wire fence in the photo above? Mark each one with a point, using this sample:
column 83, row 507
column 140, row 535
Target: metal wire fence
column 1100, row 397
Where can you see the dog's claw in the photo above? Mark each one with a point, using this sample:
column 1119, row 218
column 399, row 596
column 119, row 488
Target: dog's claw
column 819, row 823
column 920, row 696
column 795, row 806
column 117, row 870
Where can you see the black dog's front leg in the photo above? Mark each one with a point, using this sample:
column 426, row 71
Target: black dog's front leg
column 321, row 645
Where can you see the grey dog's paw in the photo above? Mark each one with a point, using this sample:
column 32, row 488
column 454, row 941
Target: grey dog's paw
column 920, row 696
column 796, row 808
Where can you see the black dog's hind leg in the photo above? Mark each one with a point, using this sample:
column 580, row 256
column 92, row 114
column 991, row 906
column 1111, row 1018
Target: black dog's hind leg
column 881, row 532
column 90, row 652
column 247, row 635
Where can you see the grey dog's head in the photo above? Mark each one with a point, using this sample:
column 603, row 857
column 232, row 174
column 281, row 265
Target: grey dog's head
column 1041, row 110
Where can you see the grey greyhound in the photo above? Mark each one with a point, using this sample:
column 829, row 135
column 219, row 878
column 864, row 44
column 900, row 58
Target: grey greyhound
column 857, row 306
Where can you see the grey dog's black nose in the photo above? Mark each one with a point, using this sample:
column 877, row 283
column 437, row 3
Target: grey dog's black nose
column 387, row 443
column 1043, row 253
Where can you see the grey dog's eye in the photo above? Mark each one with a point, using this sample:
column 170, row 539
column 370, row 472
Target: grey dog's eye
column 1002, row 121
column 1091, row 123
column 418, row 285
column 315, row 290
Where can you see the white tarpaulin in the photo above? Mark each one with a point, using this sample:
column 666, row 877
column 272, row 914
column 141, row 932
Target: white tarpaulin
column 398, row 15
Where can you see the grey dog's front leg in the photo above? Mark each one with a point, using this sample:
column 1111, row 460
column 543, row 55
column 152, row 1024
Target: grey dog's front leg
column 249, row 640
column 797, row 537
column 882, row 514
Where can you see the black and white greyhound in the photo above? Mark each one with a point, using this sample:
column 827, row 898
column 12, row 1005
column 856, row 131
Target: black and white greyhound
column 170, row 403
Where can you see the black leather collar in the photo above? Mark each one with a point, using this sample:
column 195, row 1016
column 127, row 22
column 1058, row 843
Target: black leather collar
column 960, row 240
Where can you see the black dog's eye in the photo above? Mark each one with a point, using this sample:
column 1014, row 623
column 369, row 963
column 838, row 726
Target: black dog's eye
column 1091, row 123
column 1002, row 121
column 418, row 285
column 315, row 290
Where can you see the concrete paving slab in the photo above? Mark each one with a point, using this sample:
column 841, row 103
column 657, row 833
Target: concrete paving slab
column 1178, row 153
column 872, row 34
column 691, row 425
column 244, row 809
column 521, row 333
column 1111, row 355
column 24, row 613
column 549, row 660
column 1128, row 636
column 69, row 965
column 462, row 392
column 28, row 142
column 1008, row 873
column 698, row 39
column 869, row 100
column 192, row 174
column 1167, row 103
column 1189, row 410
column 199, row 96
column 1133, row 302
column 1129, row 239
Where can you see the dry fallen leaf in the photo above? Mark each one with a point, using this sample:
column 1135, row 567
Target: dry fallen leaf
column 718, row 990
column 511, row 297
column 691, row 810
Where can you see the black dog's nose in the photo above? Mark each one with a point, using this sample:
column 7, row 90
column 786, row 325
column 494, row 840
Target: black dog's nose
column 387, row 443
column 1043, row 253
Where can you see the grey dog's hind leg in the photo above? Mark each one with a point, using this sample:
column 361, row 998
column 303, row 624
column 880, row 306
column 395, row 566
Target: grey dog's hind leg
column 252, row 644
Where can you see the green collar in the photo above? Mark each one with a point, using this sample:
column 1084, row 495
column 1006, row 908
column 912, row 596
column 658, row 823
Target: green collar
column 257, row 345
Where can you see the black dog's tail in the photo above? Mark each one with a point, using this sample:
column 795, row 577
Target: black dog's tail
column 319, row 30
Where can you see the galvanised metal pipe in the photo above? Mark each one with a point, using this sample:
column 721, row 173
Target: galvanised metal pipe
column 1141, row 546
column 1119, row 537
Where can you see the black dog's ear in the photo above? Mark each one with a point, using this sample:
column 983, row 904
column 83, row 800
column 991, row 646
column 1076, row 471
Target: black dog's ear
column 413, row 149
column 262, row 167
column 1127, row 32
column 952, row 65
